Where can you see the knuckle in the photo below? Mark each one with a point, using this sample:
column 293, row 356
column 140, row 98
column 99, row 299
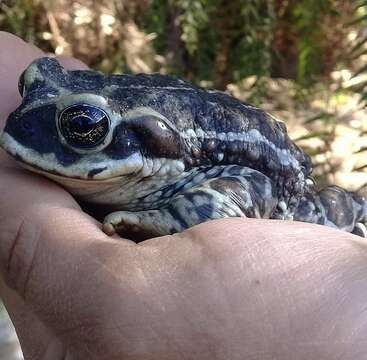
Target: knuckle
column 20, row 241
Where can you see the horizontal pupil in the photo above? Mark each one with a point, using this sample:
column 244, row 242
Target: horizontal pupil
column 82, row 124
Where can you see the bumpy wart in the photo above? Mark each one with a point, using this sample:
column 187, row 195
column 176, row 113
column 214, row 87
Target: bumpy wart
column 164, row 155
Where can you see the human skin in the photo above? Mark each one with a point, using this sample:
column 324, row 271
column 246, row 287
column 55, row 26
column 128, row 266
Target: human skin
column 229, row 289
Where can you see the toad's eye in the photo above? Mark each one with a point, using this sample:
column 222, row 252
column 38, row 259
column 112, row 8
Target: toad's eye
column 83, row 126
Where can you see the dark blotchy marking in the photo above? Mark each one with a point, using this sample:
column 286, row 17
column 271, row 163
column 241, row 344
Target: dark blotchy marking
column 95, row 171
column 196, row 152
column 235, row 190
column 206, row 210
column 176, row 214
column 209, row 145
column 338, row 206
column 233, row 147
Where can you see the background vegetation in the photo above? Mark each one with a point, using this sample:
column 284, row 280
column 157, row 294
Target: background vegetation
column 302, row 60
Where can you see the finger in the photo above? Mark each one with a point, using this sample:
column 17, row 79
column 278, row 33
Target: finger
column 44, row 242
column 35, row 339
column 15, row 56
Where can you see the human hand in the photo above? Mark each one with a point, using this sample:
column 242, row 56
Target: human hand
column 229, row 289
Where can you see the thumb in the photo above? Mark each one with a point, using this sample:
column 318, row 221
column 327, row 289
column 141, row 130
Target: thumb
column 50, row 251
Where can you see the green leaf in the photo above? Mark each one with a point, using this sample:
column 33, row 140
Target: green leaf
column 358, row 20
column 321, row 116
column 359, row 4
column 363, row 98
column 315, row 134
column 362, row 149
column 360, row 168
column 359, row 44
column 360, row 71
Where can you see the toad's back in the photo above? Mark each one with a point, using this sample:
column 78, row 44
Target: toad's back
column 217, row 129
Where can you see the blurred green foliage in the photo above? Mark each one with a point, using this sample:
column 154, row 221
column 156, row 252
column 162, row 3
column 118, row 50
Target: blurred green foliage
column 19, row 17
column 218, row 41
column 359, row 51
column 308, row 16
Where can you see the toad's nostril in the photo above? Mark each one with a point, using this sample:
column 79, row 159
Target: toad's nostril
column 27, row 125
column 21, row 83
column 28, row 128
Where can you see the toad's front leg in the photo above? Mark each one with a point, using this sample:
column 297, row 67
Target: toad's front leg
column 248, row 193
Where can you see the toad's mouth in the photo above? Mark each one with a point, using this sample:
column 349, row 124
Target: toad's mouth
column 63, row 178
column 101, row 170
